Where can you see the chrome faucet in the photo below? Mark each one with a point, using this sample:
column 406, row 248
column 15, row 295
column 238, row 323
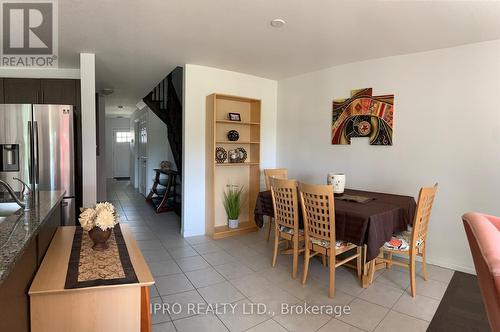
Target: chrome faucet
column 13, row 194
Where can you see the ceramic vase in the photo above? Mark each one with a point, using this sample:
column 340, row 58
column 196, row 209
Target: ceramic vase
column 100, row 237
column 233, row 223
column 337, row 180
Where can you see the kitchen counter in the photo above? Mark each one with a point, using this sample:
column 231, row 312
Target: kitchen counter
column 87, row 308
column 17, row 231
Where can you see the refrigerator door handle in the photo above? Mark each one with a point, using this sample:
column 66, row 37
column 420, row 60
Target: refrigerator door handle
column 30, row 159
column 35, row 137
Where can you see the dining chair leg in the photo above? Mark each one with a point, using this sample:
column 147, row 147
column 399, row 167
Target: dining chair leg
column 412, row 275
column 331, row 261
column 295, row 256
column 389, row 256
column 372, row 270
column 270, row 227
column 276, row 247
column 359, row 262
column 307, row 256
column 424, row 262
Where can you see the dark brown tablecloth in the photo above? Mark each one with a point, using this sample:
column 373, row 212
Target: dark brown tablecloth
column 372, row 223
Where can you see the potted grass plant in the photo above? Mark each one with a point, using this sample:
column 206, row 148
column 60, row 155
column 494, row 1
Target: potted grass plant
column 232, row 204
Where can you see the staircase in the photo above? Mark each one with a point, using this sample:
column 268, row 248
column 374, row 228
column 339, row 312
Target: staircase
column 165, row 100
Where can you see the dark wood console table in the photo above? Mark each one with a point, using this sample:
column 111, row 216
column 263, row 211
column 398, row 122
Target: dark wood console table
column 163, row 190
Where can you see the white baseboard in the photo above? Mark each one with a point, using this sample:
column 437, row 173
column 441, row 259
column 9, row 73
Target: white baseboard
column 444, row 264
column 192, row 232
column 465, row 269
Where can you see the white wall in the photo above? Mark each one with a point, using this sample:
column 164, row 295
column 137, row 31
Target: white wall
column 89, row 169
column 19, row 72
column 113, row 123
column 447, row 130
column 101, row 158
column 199, row 82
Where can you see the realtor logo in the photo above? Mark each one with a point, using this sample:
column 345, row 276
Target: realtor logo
column 29, row 34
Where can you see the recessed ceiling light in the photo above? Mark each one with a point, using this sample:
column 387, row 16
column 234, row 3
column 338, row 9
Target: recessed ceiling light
column 277, row 23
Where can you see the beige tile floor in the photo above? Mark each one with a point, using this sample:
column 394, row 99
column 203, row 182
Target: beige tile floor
column 238, row 271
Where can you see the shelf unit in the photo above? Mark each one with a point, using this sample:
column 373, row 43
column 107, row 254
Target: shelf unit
column 219, row 175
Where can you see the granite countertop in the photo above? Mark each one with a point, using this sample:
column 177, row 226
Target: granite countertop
column 17, row 230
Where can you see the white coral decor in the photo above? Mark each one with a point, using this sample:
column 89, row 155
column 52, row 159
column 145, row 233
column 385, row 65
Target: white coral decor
column 102, row 215
column 104, row 206
column 105, row 219
column 86, row 219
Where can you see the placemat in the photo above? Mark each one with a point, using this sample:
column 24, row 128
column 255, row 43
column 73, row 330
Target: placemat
column 90, row 268
column 355, row 198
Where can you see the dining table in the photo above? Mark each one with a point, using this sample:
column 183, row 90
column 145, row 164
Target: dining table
column 365, row 218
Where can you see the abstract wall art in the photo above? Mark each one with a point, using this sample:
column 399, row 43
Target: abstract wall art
column 363, row 115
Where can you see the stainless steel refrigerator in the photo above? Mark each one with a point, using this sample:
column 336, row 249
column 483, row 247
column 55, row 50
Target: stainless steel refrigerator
column 37, row 146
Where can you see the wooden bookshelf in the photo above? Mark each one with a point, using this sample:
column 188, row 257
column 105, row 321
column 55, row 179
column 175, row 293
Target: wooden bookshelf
column 219, row 175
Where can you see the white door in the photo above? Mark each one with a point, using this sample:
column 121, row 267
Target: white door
column 136, row 156
column 121, row 153
column 143, row 157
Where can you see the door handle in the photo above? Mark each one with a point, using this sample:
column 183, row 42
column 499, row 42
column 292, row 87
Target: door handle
column 30, row 159
column 37, row 166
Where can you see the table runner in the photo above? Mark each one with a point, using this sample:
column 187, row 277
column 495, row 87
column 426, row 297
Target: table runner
column 90, row 268
column 372, row 223
column 354, row 198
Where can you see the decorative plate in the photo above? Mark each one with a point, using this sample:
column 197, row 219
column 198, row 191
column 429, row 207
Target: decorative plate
column 233, row 135
column 220, row 155
column 243, row 154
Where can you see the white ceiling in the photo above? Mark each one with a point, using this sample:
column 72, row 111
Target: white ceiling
column 138, row 42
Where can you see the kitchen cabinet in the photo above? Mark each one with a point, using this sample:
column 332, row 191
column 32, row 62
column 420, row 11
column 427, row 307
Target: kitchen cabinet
column 40, row 91
column 21, row 90
column 58, row 92
column 14, row 298
column 47, row 232
column 1, row 91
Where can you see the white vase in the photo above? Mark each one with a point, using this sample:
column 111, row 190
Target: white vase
column 233, row 223
column 337, row 180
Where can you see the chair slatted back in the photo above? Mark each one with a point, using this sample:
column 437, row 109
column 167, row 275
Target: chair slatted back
column 285, row 202
column 318, row 211
column 280, row 173
column 423, row 213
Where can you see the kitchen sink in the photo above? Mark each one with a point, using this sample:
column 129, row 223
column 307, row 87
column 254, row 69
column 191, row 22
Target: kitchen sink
column 8, row 209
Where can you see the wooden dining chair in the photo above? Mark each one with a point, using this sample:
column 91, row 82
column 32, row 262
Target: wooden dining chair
column 280, row 173
column 318, row 211
column 411, row 243
column 286, row 219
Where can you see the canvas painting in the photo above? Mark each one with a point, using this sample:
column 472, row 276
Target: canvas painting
column 363, row 115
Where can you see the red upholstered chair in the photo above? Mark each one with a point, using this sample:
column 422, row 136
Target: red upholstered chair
column 483, row 233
